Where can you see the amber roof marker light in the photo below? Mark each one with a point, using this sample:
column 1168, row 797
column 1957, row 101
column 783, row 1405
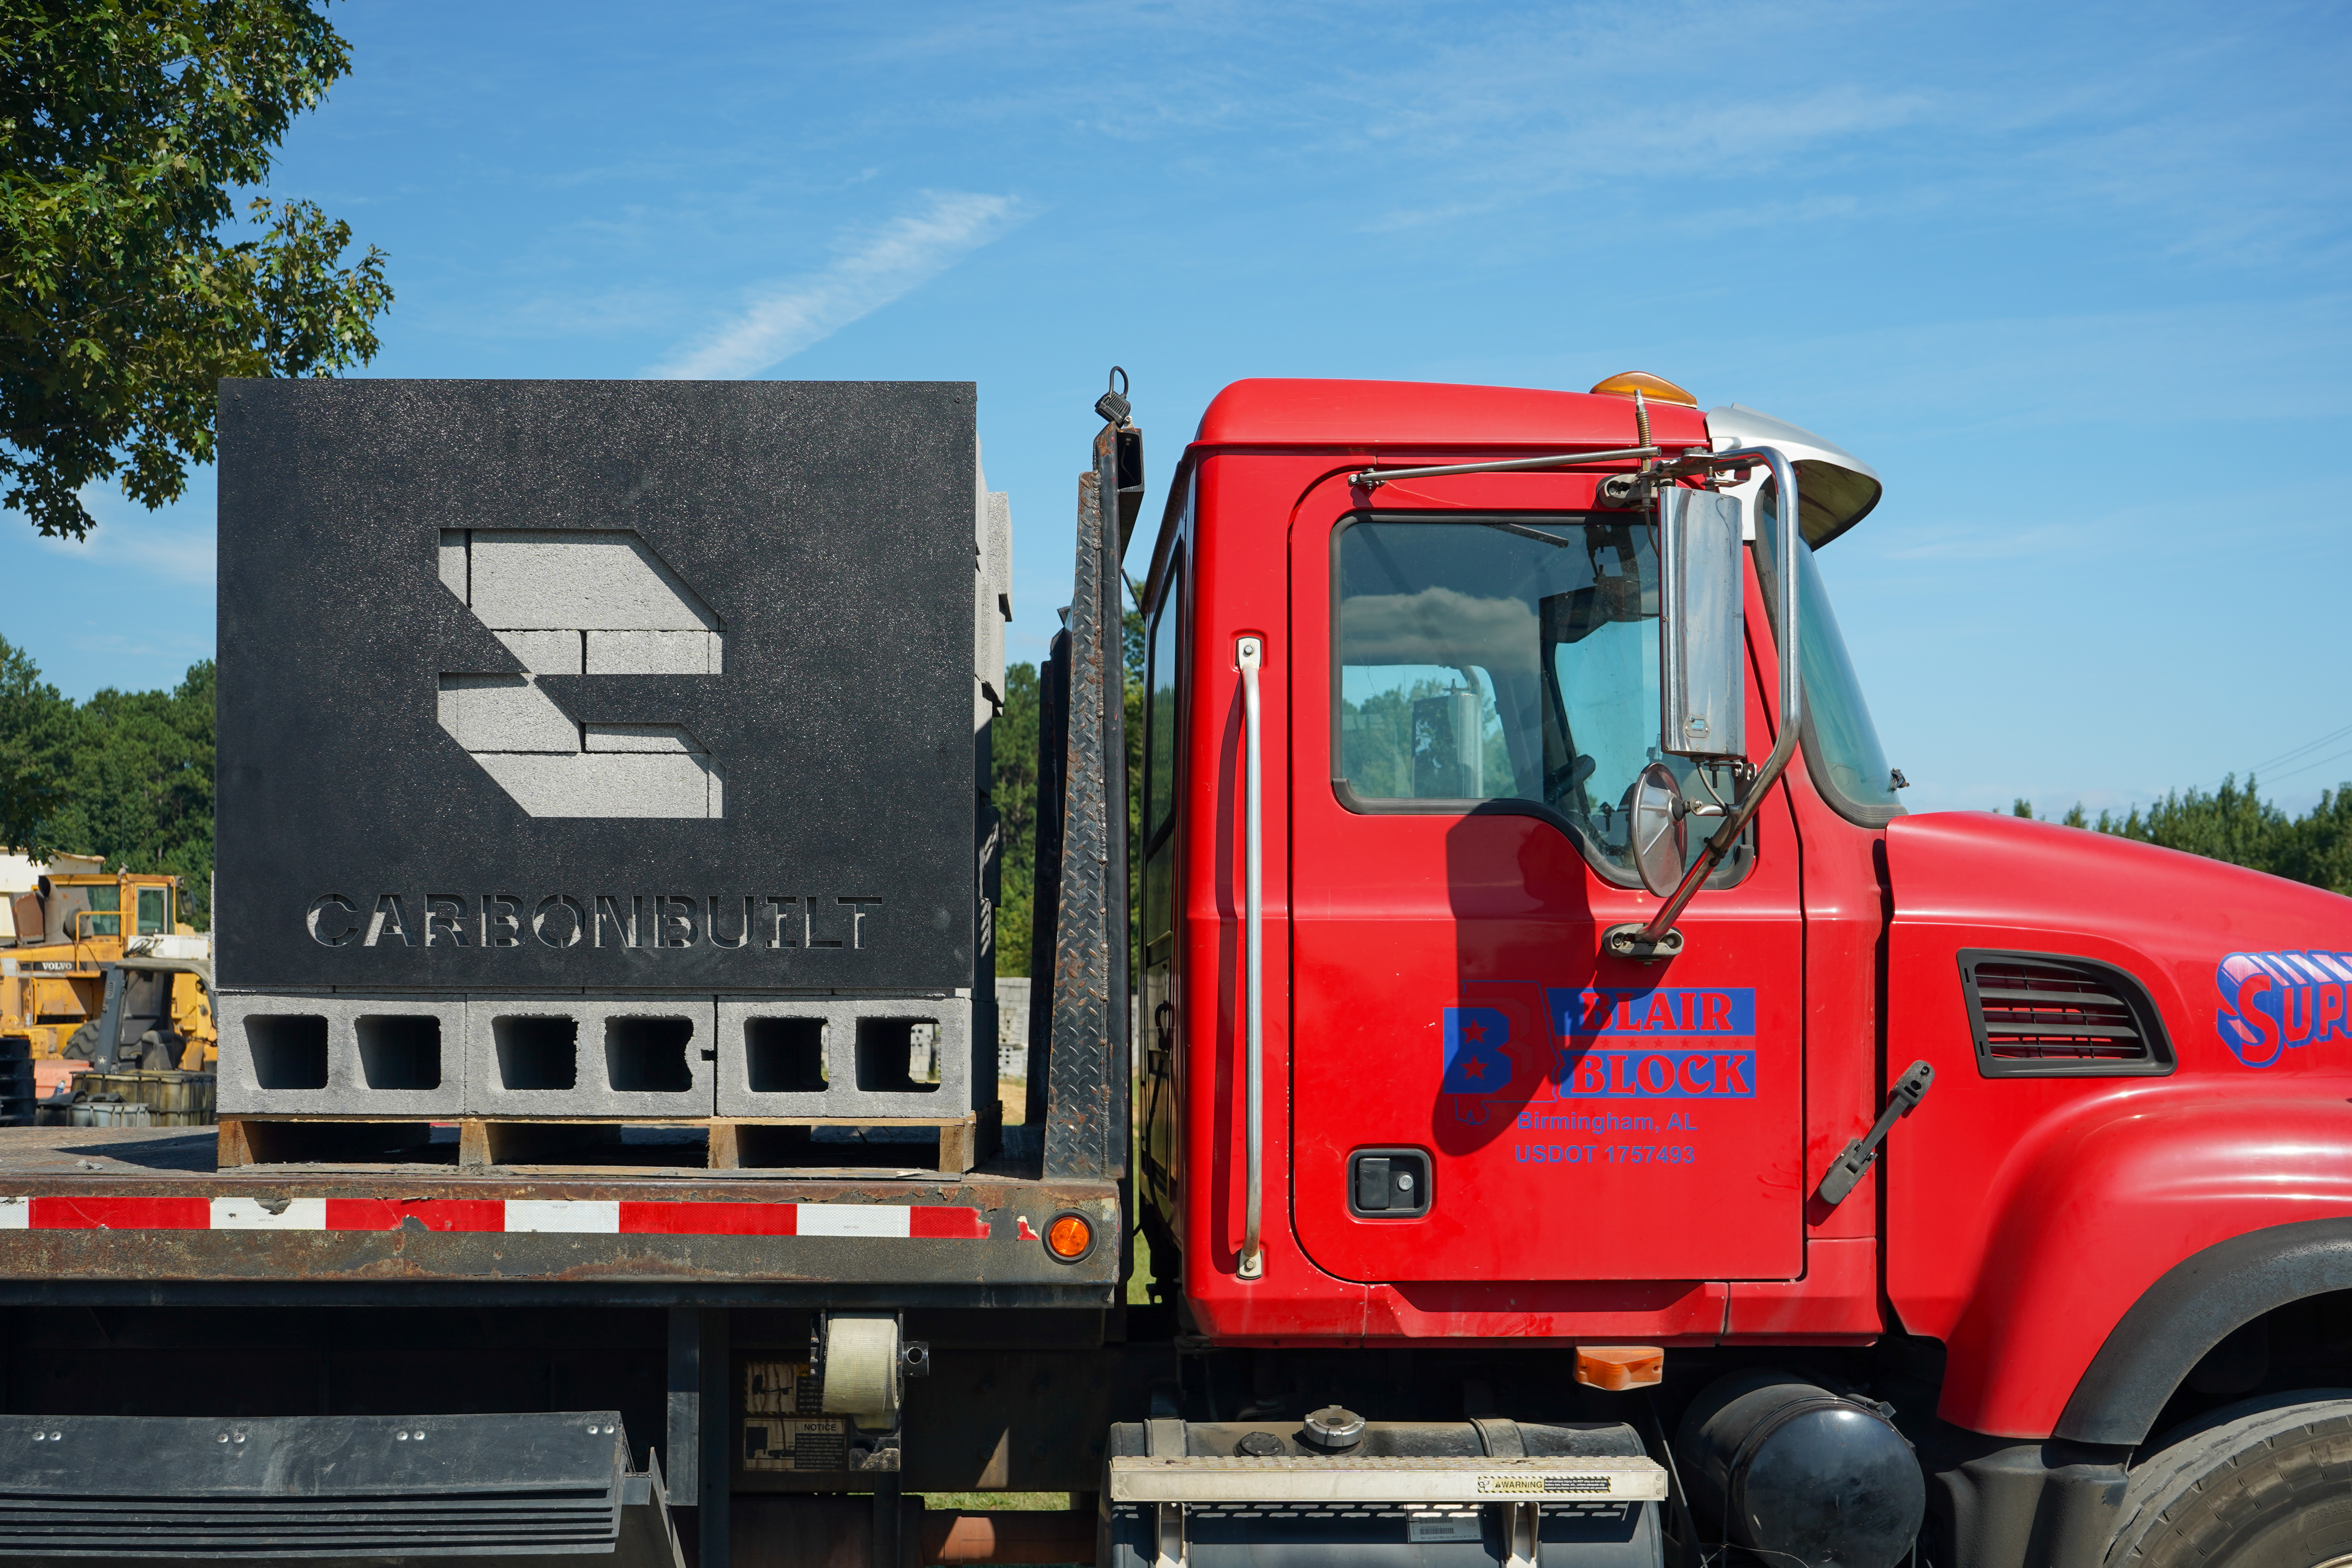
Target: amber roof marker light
column 1656, row 388
column 1069, row 1237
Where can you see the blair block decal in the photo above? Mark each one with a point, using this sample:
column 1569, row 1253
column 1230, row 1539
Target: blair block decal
column 1666, row 1043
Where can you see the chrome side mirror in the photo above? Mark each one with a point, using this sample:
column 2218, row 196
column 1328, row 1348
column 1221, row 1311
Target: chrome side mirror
column 1661, row 829
column 1702, row 642
column 1700, row 662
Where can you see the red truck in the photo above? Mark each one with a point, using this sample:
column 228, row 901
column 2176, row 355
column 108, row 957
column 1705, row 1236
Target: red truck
column 1575, row 1115
column 1426, row 1067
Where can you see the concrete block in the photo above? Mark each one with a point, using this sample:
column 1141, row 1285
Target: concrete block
column 452, row 556
column 544, row 653
column 653, row 653
column 589, row 1056
column 998, row 551
column 525, row 579
column 505, row 713
column 641, row 738
column 606, row 784
column 844, row 1056
column 342, row 1055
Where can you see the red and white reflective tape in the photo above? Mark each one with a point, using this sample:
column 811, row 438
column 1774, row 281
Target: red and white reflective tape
column 929, row 1222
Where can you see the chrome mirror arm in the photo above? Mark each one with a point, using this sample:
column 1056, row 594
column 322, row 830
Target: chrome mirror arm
column 1656, row 937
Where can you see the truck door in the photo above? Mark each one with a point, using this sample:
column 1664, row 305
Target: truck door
column 1474, row 693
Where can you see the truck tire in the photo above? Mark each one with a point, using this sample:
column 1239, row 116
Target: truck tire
column 2263, row 1484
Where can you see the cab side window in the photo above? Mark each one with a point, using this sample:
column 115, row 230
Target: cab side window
column 108, row 919
column 1492, row 660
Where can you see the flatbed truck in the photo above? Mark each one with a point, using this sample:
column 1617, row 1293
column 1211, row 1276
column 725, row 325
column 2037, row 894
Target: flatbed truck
column 1572, row 1113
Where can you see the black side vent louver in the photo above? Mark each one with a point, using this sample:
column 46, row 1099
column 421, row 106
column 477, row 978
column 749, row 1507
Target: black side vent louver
column 2040, row 1014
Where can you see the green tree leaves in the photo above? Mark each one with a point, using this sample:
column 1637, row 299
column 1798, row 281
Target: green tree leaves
column 1013, row 789
column 37, row 728
column 1013, row 747
column 2236, row 825
column 128, row 776
column 125, row 126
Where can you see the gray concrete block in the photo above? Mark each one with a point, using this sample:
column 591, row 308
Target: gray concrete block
column 452, row 557
column 998, row 551
column 769, row 1049
column 589, row 1056
column 1012, row 994
column 525, row 579
column 641, row 738
column 342, row 1055
column 544, row 653
column 992, row 598
column 505, row 713
column 653, row 653
column 608, row 784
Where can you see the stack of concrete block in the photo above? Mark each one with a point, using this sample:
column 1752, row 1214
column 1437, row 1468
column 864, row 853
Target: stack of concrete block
column 605, row 666
column 584, row 1055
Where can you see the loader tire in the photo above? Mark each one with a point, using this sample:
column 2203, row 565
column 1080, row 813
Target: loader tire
column 2263, row 1484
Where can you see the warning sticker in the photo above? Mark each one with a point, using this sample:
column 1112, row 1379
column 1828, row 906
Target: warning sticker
column 784, row 1424
column 783, row 1443
column 782, row 1388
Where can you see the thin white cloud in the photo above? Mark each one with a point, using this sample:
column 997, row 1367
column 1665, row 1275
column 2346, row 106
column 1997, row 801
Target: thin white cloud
column 179, row 543
column 909, row 252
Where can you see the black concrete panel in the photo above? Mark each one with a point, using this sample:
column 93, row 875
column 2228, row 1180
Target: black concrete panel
column 825, row 530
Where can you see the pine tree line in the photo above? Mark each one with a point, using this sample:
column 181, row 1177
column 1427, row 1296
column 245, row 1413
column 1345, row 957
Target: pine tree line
column 2236, row 825
column 127, row 775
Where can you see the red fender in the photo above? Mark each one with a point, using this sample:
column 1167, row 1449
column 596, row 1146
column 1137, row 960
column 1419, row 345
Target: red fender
column 2097, row 1204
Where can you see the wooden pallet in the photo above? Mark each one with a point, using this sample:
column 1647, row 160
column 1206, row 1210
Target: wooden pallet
column 729, row 1142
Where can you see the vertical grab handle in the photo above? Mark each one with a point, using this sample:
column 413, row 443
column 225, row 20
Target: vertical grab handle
column 1249, row 655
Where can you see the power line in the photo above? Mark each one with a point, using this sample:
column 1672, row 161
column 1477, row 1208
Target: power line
column 2289, row 757
column 2306, row 767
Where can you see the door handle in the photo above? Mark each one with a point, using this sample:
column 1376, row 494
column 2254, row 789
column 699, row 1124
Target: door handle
column 1848, row 1167
column 1249, row 654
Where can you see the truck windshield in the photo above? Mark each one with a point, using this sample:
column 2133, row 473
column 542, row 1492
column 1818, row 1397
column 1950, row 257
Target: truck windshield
column 1842, row 748
column 1503, row 660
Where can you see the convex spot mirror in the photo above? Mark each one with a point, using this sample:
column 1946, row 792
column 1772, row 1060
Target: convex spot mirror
column 1702, row 645
column 1661, row 829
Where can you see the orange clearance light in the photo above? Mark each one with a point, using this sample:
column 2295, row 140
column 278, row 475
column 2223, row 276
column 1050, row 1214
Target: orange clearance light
column 1619, row 1367
column 1656, row 388
column 1070, row 1237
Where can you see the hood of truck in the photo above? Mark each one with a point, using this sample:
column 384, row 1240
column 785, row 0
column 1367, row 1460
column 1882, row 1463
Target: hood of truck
column 2191, row 930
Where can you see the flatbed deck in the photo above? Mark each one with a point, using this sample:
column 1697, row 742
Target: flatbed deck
column 140, row 1214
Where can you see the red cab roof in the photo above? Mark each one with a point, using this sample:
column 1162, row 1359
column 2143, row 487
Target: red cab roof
column 1422, row 415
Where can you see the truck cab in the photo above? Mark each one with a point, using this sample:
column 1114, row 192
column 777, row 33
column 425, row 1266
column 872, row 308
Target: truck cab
column 1406, row 641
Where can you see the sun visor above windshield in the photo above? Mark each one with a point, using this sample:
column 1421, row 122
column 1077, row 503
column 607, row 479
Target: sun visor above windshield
column 1836, row 490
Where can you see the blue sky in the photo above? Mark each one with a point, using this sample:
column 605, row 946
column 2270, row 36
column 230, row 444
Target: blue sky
column 2074, row 278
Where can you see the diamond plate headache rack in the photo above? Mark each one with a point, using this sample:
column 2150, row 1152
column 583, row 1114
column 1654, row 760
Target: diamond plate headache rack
column 1293, row 1479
